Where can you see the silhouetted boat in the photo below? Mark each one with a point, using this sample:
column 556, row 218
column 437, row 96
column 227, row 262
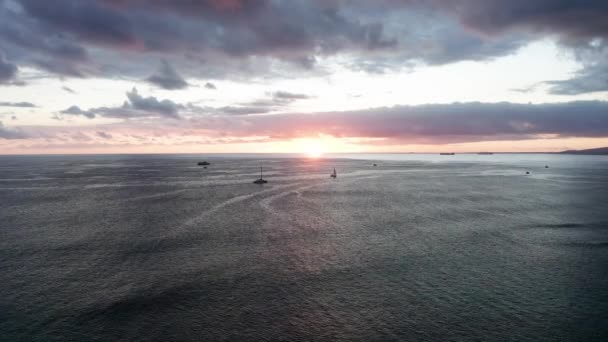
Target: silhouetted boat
column 447, row 154
column 203, row 163
column 261, row 180
column 333, row 174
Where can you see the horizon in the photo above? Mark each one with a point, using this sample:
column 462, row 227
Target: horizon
column 302, row 77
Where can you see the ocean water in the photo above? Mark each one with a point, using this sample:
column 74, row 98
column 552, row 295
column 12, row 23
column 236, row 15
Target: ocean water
column 419, row 248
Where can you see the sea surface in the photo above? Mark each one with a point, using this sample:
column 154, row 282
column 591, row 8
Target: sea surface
column 417, row 248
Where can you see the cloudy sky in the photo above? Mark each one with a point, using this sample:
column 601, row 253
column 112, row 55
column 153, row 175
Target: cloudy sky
column 106, row 76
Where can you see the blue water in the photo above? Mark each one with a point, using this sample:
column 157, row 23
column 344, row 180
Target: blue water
column 419, row 248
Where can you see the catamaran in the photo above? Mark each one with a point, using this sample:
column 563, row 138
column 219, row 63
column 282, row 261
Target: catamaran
column 261, row 180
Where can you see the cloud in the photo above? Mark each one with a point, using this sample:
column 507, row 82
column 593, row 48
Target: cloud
column 69, row 90
column 167, row 78
column 151, row 104
column 10, row 134
column 588, row 80
column 8, row 71
column 75, row 110
column 136, row 106
column 89, row 20
column 569, row 18
column 441, row 123
column 284, row 95
column 240, row 39
column 103, row 135
column 17, row 104
column 275, row 102
column 243, row 110
column 210, row 85
column 398, row 125
column 592, row 77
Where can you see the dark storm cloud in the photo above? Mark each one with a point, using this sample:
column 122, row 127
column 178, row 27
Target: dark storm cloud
column 572, row 19
column 8, row 71
column 458, row 122
column 44, row 33
column 32, row 42
column 137, row 106
column 167, row 78
column 87, row 19
column 17, row 104
column 240, row 38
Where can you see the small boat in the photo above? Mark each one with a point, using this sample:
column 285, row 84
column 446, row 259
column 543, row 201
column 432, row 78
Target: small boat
column 375, row 164
column 203, row 163
column 333, row 174
column 447, row 154
column 261, row 180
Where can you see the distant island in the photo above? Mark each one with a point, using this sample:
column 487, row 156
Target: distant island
column 592, row 151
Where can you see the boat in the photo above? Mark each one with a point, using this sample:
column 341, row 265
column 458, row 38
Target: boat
column 333, row 174
column 203, row 163
column 447, row 154
column 260, row 180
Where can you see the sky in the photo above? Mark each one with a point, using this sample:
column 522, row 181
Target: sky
column 302, row 76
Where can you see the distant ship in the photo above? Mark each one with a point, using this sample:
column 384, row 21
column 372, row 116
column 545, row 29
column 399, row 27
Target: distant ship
column 447, row 154
column 261, row 180
column 203, row 163
column 485, row 153
column 333, row 174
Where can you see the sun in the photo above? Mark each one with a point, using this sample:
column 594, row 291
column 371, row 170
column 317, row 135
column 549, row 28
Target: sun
column 314, row 150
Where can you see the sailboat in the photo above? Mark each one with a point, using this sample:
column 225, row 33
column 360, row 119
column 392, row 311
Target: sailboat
column 333, row 174
column 261, row 180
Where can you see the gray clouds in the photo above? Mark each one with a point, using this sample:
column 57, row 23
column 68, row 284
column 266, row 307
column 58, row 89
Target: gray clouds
column 442, row 123
column 590, row 79
column 10, row 134
column 240, row 39
column 8, row 71
column 167, row 78
column 75, row 110
column 219, row 38
column 17, row 104
column 284, row 95
column 136, row 106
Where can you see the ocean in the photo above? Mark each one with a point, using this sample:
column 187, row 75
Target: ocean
column 417, row 248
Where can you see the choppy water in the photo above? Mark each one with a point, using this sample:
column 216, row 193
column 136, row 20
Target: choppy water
column 154, row 248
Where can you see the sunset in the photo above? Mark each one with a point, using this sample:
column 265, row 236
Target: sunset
column 303, row 170
column 109, row 76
